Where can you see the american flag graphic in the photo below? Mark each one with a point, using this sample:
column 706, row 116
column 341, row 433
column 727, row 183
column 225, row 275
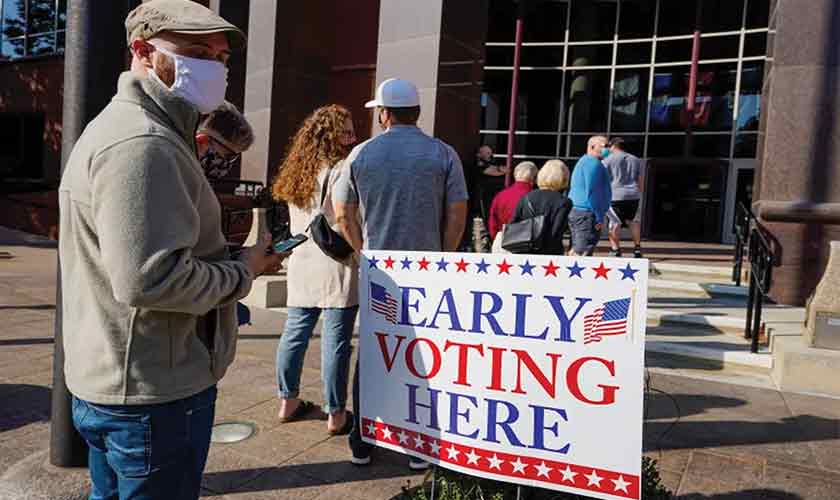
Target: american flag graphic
column 383, row 303
column 610, row 318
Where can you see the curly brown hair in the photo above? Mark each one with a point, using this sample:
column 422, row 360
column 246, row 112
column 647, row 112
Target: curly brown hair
column 315, row 145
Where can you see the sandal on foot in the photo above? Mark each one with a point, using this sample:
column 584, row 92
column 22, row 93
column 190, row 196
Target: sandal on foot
column 302, row 409
column 346, row 428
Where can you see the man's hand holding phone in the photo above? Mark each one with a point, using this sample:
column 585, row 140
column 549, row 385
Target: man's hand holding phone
column 261, row 258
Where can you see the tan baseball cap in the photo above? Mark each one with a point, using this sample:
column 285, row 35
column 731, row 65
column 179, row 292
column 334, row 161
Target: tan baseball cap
column 179, row 16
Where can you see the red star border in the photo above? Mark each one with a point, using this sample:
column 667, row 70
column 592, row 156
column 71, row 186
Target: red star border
column 551, row 269
column 389, row 263
column 462, row 265
column 424, row 264
column 601, row 271
column 504, row 267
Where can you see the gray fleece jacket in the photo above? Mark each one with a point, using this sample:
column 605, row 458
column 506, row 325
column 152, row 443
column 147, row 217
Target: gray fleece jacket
column 149, row 291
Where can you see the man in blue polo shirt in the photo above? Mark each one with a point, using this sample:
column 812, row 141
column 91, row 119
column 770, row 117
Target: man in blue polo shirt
column 591, row 194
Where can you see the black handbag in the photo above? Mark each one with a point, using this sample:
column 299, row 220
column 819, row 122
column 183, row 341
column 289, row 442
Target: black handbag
column 524, row 236
column 329, row 241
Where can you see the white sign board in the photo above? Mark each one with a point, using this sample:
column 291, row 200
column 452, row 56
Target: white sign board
column 520, row 368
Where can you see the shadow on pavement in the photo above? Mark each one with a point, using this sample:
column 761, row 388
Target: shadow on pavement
column 757, row 494
column 23, row 404
column 290, row 477
column 669, row 406
column 663, row 435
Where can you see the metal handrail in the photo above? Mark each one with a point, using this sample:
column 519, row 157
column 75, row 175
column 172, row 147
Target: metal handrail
column 743, row 219
column 761, row 273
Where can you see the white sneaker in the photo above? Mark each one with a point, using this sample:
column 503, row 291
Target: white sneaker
column 417, row 464
column 360, row 460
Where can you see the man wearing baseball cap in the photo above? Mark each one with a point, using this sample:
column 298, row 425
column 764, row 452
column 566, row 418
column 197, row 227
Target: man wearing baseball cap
column 149, row 306
column 401, row 190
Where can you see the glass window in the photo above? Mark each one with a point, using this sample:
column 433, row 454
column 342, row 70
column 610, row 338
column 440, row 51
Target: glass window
column 749, row 102
column 12, row 48
column 746, row 145
column 41, row 16
column 677, row 17
column 587, row 100
column 577, row 147
column 593, row 20
column 538, row 107
column 542, row 56
column 715, row 101
column 719, row 47
column 722, row 15
column 536, row 145
column 14, row 18
column 758, row 13
column 545, row 22
column 590, row 55
column 634, row 53
column 31, row 27
column 498, row 142
column 501, row 25
column 670, row 86
column 499, row 56
column 636, row 19
column 40, row 45
column 711, row 146
column 674, row 50
column 755, row 44
column 665, row 146
column 629, row 108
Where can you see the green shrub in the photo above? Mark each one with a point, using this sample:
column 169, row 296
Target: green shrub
column 450, row 485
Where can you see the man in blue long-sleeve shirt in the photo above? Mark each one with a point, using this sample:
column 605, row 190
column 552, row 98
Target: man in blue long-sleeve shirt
column 591, row 194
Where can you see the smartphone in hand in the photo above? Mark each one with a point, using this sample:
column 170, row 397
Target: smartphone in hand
column 283, row 246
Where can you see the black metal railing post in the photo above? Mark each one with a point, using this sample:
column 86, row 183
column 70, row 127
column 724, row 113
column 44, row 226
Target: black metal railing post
column 741, row 228
column 750, row 300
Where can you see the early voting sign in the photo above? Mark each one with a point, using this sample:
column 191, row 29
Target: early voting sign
column 519, row 368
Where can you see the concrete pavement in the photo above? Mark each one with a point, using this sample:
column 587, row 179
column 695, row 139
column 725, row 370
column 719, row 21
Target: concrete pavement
column 717, row 433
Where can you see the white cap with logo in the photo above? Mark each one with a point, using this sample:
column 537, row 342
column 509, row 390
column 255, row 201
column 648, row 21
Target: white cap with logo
column 395, row 93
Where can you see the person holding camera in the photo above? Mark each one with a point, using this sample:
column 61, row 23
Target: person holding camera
column 319, row 284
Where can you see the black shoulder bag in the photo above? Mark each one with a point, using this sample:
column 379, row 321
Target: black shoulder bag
column 524, row 236
column 329, row 241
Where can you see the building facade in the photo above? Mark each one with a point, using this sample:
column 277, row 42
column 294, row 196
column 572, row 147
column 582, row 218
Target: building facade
column 762, row 130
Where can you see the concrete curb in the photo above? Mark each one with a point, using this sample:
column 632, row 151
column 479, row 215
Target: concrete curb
column 661, row 267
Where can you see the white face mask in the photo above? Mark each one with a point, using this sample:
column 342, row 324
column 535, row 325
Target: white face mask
column 200, row 82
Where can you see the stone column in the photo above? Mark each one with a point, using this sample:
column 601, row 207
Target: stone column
column 438, row 45
column 288, row 64
column 799, row 144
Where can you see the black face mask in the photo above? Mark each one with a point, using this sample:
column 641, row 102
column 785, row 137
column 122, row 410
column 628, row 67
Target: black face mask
column 214, row 164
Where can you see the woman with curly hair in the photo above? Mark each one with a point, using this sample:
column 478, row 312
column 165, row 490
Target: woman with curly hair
column 318, row 285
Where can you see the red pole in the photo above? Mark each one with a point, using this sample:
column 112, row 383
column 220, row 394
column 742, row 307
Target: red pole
column 692, row 77
column 514, row 92
column 692, row 82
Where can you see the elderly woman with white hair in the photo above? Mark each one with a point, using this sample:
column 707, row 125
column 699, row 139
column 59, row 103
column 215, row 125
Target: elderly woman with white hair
column 551, row 202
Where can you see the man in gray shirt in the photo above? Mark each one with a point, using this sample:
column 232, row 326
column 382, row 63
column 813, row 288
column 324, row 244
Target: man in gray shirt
column 625, row 172
column 401, row 190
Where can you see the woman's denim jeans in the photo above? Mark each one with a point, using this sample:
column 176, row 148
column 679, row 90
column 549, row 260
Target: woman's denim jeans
column 335, row 352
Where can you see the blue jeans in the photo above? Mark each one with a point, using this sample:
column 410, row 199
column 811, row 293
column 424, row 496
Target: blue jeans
column 148, row 451
column 335, row 352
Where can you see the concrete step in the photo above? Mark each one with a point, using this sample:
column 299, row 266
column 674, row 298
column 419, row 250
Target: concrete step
column 700, row 288
column 720, row 273
column 701, row 342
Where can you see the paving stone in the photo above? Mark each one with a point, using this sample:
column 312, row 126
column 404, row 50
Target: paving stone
column 728, row 473
column 671, row 460
column 275, row 483
column 277, row 446
column 226, row 470
column 807, row 486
